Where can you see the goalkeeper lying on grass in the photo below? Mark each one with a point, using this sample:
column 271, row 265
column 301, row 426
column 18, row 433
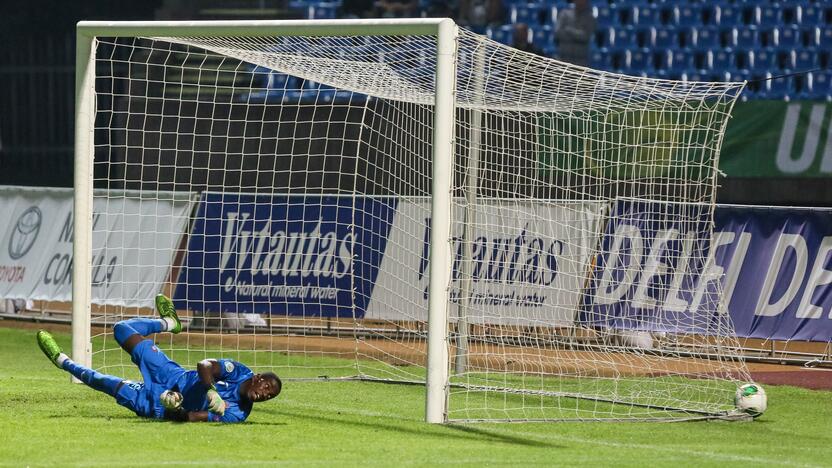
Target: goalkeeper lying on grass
column 219, row 390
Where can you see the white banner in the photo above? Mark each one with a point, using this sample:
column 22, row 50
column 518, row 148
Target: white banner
column 530, row 262
column 134, row 240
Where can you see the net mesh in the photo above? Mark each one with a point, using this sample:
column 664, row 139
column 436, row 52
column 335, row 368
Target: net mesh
column 282, row 184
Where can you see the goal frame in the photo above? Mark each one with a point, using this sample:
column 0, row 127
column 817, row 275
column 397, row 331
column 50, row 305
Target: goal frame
column 446, row 32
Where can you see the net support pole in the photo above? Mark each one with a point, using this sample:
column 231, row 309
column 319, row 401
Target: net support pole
column 440, row 234
column 82, row 208
column 466, row 280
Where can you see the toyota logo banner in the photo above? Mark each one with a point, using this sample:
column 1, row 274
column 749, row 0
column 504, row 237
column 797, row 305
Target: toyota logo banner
column 134, row 238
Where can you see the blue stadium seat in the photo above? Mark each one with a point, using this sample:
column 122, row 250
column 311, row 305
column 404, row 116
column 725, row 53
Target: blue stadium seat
column 729, row 16
column 625, row 37
column 788, row 36
column 805, row 59
column 821, row 85
column 662, row 59
column 648, row 15
column 743, row 59
column 823, row 38
column 688, row 15
column 779, row 88
column 722, row 60
column 639, row 60
column 767, row 36
column 665, row 37
column 600, row 59
column 605, row 37
column 764, row 60
column 710, row 13
column 543, row 36
column 768, row 15
column 790, row 11
column 550, row 16
column 324, row 10
column 646, row 36
column 746, row 37
column 626, row 14
column 682, row 60
column 685, row 36
column 550, row 50
column 605, row 15
column 528, row 13
column 706, row 37
column 502, row 34
column 811, row 15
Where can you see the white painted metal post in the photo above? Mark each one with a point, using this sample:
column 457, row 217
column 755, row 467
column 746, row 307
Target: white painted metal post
column 82, row 225
column 466, row 281
column 440, row 236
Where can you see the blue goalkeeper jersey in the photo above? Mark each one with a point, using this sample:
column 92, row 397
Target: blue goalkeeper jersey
column 233, row 374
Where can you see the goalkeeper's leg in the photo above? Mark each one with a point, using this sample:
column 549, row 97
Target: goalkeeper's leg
column 103, row 383
column 129, row 333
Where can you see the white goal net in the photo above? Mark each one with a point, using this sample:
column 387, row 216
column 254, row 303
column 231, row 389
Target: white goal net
column 279, row 189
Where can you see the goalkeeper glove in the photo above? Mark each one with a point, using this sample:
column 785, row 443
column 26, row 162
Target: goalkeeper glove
column 215, row 403
column 171, row 400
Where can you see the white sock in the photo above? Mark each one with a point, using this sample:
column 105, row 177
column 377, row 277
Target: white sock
column 61, row 358
column 168, row 323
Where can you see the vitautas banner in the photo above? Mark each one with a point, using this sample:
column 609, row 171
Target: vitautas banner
column 304, row 255
column 772, row 264
column 134, row 239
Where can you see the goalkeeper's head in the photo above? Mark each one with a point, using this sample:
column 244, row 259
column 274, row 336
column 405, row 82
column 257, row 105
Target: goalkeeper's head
column 264, row 387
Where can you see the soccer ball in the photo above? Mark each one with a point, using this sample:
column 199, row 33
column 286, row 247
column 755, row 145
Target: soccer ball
column 751, row 399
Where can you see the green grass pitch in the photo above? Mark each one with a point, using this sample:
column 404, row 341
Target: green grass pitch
column 46, row 421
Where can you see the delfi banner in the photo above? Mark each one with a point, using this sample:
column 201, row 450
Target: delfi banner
column 773, row 266
column 134, row 239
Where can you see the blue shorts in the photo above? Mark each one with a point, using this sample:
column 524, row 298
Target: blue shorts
column 159, row 374
column 155, row 366
column 141, row 399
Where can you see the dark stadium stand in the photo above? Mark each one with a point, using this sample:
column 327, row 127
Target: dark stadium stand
column 689, row 40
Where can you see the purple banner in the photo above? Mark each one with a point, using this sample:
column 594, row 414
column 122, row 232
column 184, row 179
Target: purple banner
column 773, row 265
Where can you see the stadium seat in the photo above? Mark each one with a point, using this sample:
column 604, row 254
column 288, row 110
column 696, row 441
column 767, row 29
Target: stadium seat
column 626, row 15
column 779, row 88
column 768, row 15
column 823, row 38
column 763, row 60
column 502, row 34
column 543, row 36
column 710, row 13
column 324, row 10
column 790, row 11
column 685, row 36
column 625, row 37
column 550, row 16
column 665, row 37
column 639, row 60
column 706, row 37
column 648, row 15
column 767, row 36
column 743, row 59
column 604, row 37
column 745, row 37
column 600, row 59
column 550, row 50
column 722, row 60
column 662, row 59
column 682, row 60
column 811, row 15
column 605, row 16
column 805, row 59
column 528, row 13
column 729, row 16
column 820, row 85
column 688, row 15
column 787, row 36
column 646, row 36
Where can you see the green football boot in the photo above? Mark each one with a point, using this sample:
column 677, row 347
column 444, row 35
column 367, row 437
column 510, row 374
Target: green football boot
column 49, row 346
column 166, row 310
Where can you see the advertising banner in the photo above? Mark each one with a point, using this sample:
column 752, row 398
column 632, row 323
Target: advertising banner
column 134, row 239
column 298, row 255
column 529, row 262
column 778, row 139
column 368, row 257
column 773, row 265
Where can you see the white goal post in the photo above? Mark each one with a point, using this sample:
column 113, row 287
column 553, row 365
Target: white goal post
column 402, row 200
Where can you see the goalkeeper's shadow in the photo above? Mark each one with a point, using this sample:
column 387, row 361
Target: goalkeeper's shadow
column 465, row 432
